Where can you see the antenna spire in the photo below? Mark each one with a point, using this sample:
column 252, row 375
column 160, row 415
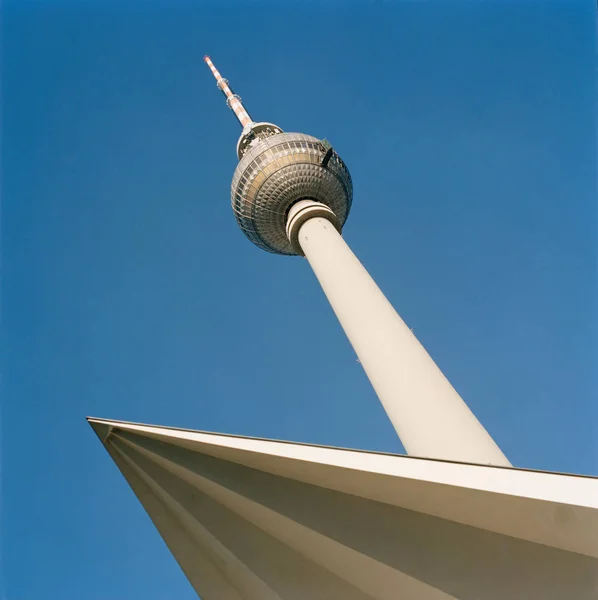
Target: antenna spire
column 232, row 100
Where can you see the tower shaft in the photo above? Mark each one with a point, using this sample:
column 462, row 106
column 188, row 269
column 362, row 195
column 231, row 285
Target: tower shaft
column 428, row 414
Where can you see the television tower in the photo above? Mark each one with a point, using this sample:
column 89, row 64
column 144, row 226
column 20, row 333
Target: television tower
column 291, row 194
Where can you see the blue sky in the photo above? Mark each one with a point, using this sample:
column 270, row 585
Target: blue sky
column 129, row 293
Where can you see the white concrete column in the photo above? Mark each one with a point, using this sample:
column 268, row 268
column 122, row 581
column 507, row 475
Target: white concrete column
column 429, row 416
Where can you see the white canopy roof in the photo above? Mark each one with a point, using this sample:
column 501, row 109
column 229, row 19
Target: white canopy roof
column 267, row 520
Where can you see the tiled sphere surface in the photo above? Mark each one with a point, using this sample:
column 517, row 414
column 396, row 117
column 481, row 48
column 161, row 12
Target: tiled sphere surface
column 277, row 172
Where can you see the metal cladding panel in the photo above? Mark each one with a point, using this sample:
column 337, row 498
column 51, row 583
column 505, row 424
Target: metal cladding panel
column 255, row 519
column 277, row 172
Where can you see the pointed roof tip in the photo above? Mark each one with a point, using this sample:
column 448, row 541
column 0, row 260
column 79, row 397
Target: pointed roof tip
column 101, row 427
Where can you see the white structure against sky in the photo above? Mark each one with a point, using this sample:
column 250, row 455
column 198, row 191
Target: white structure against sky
column 291, row 194
column 250, row 519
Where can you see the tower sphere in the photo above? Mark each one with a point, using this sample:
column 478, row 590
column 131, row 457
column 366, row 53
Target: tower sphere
column 275, row 171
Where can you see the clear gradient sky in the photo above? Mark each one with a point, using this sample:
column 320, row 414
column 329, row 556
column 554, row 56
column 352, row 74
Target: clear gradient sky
column 129, row 293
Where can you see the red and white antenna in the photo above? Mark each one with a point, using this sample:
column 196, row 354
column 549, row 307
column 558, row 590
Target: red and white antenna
column 232, row 99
